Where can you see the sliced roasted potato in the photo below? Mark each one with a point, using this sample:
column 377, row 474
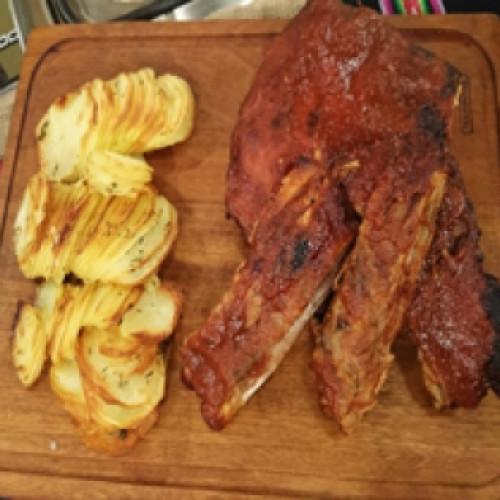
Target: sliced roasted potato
column 107, row 350
column 142, row 88
column 117, row 416
column 179, row 120
column 108, row 303
column 139, row 260
column 144, row 113
column 140, row 315
column 116, row 174
column 92, row 213
column 66, row 325
column 66, row 384
column 91, row 305
column 64, row 309
column 98, row 238
column 30, row 217
column 106, row 377
column 120, row 224
column 48, row 298
column 122, row 347
column 65, row 134
column 113, row 440
column 155, row 315
column 119, row 230
column 130, row 114
column 64, row 212
column 29, row 348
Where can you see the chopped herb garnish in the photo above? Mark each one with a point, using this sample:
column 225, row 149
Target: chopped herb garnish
column 43, row 131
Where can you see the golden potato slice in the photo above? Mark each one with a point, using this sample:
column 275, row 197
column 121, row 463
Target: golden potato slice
column 30, row 216
column 47, row 255
column 66, row 384
column 155, row 315
column 29, row 347
column 69, row 316
column 108, row 349
column 141, row 260
column 77, row 306
column 62, row 133
column 117, row 346
column 143, row 272
column 145, row 315
column 120, row 223
column 82, row 230
column 108, row 304
column 103, row 305
column 131, row 388
column 53, row 303
column 114, row 415
column 153, row 116
column 120, row 113
column 113, row 440
column 48, row 296
column 66, row 326
column 179, row 119
column 105, row 101
column 165, row 117
column 116, row 174
column 123, row 225
column 143, row 88
column 137, row 362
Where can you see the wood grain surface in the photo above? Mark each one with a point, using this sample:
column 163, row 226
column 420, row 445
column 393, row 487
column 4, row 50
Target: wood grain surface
column 280, row 444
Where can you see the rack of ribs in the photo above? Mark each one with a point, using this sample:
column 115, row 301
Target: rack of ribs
column 340, row 149
column 297, row 246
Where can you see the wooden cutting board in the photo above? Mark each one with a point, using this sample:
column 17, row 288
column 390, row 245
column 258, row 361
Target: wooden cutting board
column 280, row 444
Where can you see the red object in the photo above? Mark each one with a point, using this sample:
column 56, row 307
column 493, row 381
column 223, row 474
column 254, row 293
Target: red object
column 412, row 7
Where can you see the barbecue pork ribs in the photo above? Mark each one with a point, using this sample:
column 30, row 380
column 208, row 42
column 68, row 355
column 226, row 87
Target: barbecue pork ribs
column 340, row 148
column 376, row 285
column 297, row 245
column 449, row 318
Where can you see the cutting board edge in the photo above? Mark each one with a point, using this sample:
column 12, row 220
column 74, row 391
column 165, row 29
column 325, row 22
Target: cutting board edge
column 23, row 484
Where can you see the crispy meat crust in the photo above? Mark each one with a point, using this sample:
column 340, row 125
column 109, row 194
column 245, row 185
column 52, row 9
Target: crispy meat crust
column 298, row 242
column 337, row 79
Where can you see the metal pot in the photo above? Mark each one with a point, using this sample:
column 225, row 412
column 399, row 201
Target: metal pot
column 77, row 11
